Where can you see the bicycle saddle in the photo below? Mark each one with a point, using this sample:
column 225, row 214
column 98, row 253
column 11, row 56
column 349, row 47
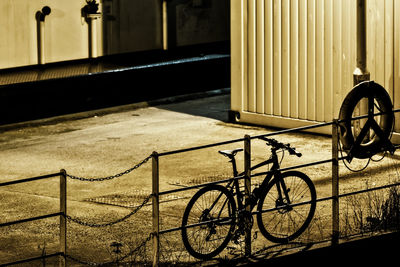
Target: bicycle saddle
column 230, row 153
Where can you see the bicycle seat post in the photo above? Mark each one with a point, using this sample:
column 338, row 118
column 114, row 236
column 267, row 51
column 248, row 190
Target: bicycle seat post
column 231, row 155
column 234, row 168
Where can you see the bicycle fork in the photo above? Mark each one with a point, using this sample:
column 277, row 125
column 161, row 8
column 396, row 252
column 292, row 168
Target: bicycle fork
column 283, row 200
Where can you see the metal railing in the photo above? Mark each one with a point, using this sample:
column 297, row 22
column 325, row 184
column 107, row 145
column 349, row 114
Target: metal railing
column 62, row 214
column 156, row 193
column 247, row 177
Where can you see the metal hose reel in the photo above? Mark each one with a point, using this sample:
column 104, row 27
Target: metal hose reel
column 363, row 138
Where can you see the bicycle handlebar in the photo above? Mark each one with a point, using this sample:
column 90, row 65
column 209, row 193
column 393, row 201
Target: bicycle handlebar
column 278, row 145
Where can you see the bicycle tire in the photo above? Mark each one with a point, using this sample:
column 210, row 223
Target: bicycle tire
column 195, row 213
column 269, row 221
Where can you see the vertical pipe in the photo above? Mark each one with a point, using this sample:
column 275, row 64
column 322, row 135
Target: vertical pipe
column 335, row 183
column 93, row 34
column 247, row 189
column 41, row 57
column 63, row 219
column 165, row 24
column 156, row 211
column 40, row 18
column 361, row 73
column 93, row 37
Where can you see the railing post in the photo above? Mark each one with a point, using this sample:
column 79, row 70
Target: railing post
column 155, row 203
column 247, row 189
column 63, row 219
column 335, row 183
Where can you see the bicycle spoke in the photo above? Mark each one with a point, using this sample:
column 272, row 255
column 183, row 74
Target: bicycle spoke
column 287, row 222
column 207, row 222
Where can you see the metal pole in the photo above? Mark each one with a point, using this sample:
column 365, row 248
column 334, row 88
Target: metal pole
column 41, row 56
column 361, row 73
column 165, row 24
column 63, row 219
column 247, row 189
column 92, row 18
column 156, row 211
column 335, row 183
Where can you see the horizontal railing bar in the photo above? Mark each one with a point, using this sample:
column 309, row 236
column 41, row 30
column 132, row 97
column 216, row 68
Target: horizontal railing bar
column 33, row 259
column 241, row 177
column 31, row 219
column 296, row 167
column 31, row 179
column 200, row 147
column 303, row 128
column 190, row 226
column 292, row 205
column 369, row 190
column 198, row 186
column 170, row 230
column 366, row 115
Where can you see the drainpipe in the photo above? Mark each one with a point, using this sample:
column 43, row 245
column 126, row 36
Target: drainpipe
column 165, row 24
column 93, row 34
column 361, row 73
column 91, row 14
column 40, row 17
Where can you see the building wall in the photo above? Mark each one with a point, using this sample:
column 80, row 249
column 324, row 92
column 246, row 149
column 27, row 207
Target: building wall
column 293, row 61
column 66, row 32
column 125, row 26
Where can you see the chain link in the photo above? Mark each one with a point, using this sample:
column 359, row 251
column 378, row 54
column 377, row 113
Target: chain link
column 109, row 177
column 112, row 262
column 114, row 222
column 133, row 212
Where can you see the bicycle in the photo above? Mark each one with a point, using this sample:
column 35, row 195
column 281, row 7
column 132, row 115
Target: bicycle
column 285, row 201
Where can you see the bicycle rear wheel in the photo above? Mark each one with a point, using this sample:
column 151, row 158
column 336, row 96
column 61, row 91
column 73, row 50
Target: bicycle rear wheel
column 208, row 222
column 286, row 222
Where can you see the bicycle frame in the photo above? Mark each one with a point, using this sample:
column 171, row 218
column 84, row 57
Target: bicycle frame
column 224, row 213
column 257, row 192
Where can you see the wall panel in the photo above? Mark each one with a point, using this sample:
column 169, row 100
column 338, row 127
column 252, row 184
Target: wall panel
column 308, row 56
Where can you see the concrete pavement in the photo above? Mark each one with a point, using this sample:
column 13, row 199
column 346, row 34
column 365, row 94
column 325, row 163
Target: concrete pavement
column 105, row 143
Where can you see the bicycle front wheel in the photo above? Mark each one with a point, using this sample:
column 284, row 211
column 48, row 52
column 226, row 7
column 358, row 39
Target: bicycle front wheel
column 208, row 222
column 288, row 220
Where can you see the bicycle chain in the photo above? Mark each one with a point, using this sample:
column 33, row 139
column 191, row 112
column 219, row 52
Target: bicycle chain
column 114, row 222
column 109, row 177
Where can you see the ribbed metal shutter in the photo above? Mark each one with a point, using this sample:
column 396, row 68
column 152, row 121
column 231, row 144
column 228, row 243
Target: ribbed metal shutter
column 293, row 61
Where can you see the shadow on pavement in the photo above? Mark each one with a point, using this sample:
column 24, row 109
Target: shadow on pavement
column 380, row 249
column 215, row 106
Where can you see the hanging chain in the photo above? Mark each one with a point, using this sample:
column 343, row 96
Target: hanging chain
column 133, row 212
column 109, row 177
column 114, row 222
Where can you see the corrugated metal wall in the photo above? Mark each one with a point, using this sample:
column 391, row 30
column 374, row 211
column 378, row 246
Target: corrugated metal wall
column 293, row 61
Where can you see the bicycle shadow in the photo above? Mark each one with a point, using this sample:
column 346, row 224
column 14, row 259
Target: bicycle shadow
column 261, row 256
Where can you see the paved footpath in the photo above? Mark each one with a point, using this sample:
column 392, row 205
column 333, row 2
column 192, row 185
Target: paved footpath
column 104, row 145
